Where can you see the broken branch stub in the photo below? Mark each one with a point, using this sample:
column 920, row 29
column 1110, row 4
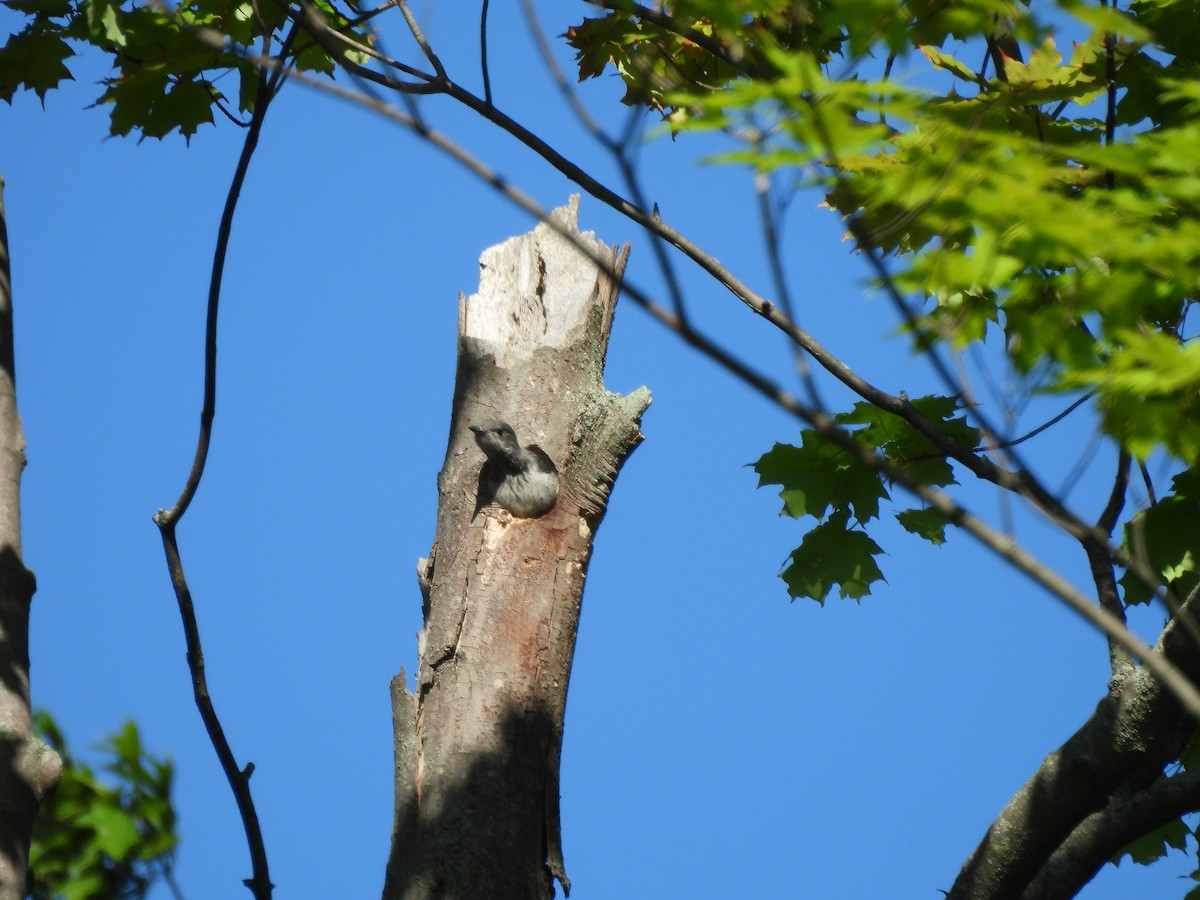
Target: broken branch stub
column 477, row 745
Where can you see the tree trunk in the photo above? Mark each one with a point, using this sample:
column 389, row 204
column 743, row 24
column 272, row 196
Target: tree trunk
column 28, row 768
column 478, row 744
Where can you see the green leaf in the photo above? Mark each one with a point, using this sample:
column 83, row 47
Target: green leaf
column 133, row 97
column 819, row 475
column 904, row 445
column 950, row 64
column 103, row 23
column 1190, row 758
column 34, row 61
column 831, row 554
column 313, row 59
column 116, row 832
column 1043, row 65
column 1149, row 388
column 186, row 107
column 126, row 745
column 1157, row 844
column 247, row 87
column 926, row 523
column 1166, row 538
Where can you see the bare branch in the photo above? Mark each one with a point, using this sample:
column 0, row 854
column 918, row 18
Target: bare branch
column 1053, row 420
column 1148, row 482
column 483, row 52
column 1100, row 562
column 771, row 237
column 560, row 80
column 332, row 42
column 419, row 37
column 238, row 778
column 619, row 151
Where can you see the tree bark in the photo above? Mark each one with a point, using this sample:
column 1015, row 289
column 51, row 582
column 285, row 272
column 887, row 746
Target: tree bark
column 1058, row 826
column 28, row 768
column 478, row 744
column 1103, row 835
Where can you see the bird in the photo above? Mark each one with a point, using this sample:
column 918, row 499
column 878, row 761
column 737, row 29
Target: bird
column 521, row 479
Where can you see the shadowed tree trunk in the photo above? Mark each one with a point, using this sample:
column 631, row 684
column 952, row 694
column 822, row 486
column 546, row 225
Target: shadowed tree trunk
column 28, row 768
column 478, row 744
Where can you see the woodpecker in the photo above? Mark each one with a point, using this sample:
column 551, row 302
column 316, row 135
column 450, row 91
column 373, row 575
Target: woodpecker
column 523, row 480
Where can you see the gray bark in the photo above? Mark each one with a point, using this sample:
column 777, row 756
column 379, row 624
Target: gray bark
column 478, row 744
column 1053, row 830
column 28, row 768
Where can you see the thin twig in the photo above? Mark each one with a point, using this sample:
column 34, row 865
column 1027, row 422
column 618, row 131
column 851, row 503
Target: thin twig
column 239, row 779
column 280, row 73
column 483, row 52
column 419, row 37
column 313, row 22
column 771, row 237
column 1100, row 562
column 1148, row 482
column 1054, row 420
column 560, row 81
column 618, row 149
column 219, row 103
column 370, row 14
column 1080, row 466
column 167, row 872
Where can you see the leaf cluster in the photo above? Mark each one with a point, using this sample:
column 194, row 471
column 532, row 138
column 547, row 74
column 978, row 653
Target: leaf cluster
column 698, row 48
column 95, row 840
column 168, row 67
column 842, row 493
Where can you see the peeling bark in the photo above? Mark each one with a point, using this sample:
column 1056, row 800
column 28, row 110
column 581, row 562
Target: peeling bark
column 28, row 768
column 478, row 744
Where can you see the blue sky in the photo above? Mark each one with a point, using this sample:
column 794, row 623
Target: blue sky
column 721, row 742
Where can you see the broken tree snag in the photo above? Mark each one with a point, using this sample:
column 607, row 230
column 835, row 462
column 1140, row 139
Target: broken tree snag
column 478, row 744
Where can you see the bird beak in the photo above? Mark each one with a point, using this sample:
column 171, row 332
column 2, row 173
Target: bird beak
column 476, row 429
